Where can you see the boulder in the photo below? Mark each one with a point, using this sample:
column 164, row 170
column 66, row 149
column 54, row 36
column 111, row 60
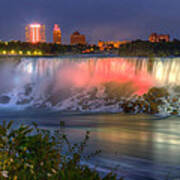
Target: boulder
column 4, row 99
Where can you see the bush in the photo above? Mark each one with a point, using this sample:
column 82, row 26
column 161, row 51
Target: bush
column 34, row 154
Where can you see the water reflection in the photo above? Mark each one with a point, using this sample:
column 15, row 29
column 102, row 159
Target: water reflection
column 155, row 140
column 137, row 144
column 132, row 135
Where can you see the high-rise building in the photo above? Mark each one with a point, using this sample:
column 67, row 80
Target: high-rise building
column 57, row 34
column 35, row 33
column 77, row 38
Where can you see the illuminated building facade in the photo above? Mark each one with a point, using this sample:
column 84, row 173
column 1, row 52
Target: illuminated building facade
column 35, row 33
column 77, row 38
column 57, row 34
column 154, row 37
column 110, row 44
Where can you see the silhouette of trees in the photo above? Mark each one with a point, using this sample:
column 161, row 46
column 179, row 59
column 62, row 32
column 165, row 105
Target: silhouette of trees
column 146, row 48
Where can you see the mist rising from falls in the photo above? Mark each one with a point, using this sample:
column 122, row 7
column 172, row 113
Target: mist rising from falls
column 82, row 84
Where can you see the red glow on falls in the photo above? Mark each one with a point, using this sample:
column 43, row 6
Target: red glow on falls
column 95, row 72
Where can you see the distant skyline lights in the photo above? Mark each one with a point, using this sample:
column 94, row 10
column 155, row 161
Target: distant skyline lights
column 35, row 33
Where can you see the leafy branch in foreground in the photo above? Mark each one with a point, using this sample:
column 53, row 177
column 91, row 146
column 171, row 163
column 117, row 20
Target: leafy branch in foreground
column 34, row 154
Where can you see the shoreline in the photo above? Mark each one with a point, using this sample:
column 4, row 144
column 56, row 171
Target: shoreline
column 83, row 55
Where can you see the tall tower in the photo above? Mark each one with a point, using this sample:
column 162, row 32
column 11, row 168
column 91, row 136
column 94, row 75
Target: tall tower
column 35, row 33
column 57, row 34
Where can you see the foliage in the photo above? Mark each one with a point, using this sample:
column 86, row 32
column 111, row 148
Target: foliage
column 34, row 154
column 147, row 49
column 45, row 48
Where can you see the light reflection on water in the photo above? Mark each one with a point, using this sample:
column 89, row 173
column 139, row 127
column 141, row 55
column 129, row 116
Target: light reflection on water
column 140, row 145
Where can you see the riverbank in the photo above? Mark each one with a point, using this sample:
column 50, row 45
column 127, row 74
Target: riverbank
column 69, row 55
column 138, row 48
column 32, row 153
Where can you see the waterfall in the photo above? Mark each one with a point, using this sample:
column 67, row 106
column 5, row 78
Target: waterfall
column 60, row 82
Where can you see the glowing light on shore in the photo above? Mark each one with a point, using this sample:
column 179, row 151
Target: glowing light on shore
column 29, row 53
column 40, row 53
column 13, row 52
column 35, row 53
column 20, row 52
column 4, row 52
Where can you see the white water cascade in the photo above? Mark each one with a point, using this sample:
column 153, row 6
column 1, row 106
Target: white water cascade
column 60, row 83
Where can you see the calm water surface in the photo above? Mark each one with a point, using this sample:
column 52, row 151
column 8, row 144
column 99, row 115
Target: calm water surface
column 136, row 146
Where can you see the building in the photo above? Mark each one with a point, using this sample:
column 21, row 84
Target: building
column 77, row 38
column 154, row 37
column 35, row 33
column 57, row 34
column 110, row 44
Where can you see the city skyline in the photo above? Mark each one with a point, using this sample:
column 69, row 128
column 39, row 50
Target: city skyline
column 99, row 20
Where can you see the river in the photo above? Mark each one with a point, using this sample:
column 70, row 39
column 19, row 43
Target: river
column 50, row 90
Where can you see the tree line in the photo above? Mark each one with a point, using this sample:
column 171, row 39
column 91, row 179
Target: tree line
column 146, row 48
column 15, row 47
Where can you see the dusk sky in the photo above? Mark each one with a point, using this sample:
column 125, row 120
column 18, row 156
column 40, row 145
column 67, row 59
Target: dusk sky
column 97, row 19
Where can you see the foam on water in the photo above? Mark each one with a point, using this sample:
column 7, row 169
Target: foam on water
column 88, row 84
